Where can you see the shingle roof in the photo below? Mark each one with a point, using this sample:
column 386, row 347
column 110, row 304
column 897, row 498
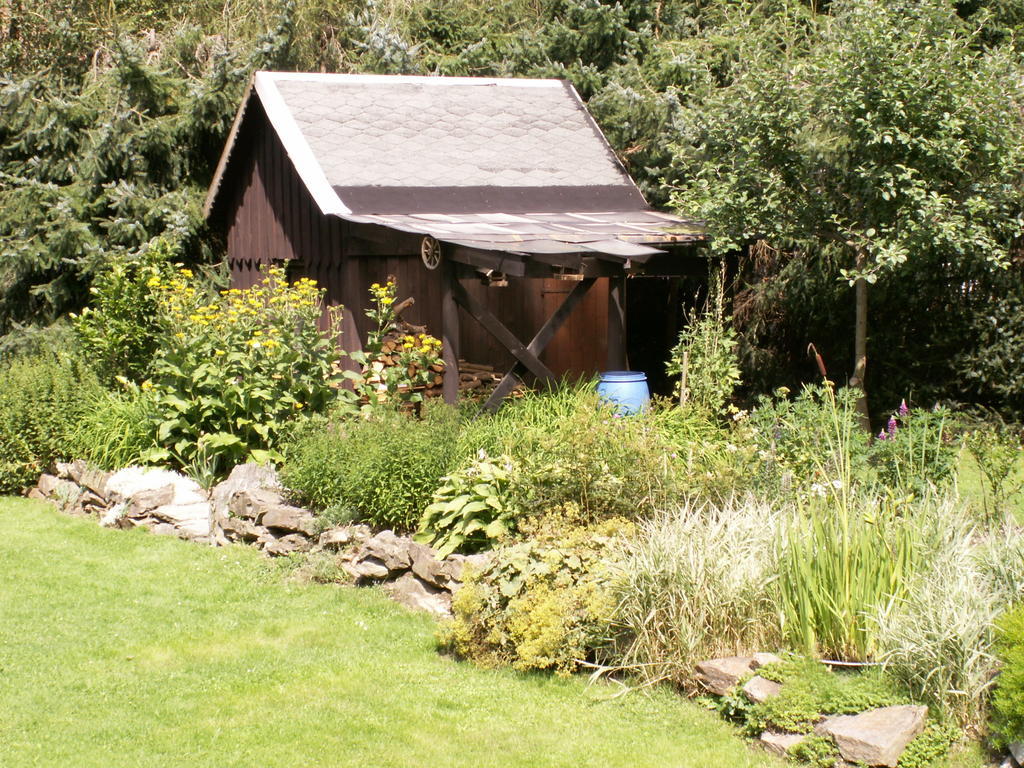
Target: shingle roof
column 445, row 156
column 426, row 132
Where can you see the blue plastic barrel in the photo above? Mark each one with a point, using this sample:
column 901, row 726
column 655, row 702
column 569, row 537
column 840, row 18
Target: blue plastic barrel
column 626, row 390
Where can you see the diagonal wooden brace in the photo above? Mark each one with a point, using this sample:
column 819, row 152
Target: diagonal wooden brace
column 540, row 341
column 494, row 326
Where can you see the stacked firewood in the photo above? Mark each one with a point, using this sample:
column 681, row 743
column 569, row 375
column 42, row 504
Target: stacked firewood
column 477, row 377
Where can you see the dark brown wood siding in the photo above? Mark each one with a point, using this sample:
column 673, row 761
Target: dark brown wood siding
column 272, row 219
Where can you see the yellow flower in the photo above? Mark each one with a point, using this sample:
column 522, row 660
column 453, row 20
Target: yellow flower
column 218, row 352
column 298, row 406
column 187, row 273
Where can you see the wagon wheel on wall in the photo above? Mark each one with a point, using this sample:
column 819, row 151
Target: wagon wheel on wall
column 430, row 252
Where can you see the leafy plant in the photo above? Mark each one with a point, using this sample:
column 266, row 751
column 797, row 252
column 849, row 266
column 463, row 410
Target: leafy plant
column 996, row 450
column 394, row 366
column 382, row 469
column 41, row 400
column 810, row 445
column 234, row 370
column 705, row 357
column 810, row 689
column 1008, row 697
column 930, row 745
column 472, row 510
column 115, row 429
column 915, row 451
column 543, row 603
column 836, row 567
column 120, row 332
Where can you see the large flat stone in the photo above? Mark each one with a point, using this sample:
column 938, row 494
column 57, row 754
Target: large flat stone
column 875, row 737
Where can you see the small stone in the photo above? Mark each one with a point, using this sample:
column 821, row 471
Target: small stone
column 413, row 593
column 875, row 737
column 288, row 545
column 253, row 503
column 719, row 676
column 243, row 477
column 240, row 529
column 111, row 517
column 395, row 552
column 758, row 689
column 95, row 480
column 90, row 502
column 35, row 493
column 285, row 518
column 72, row 471
column 367, row 569
column 427, row 567
column 1017, row 752
column 144, row 501
column 344, row 536
column 192, row 520
column 764, row 659
column 780, row 743
column 47, row 484
column 164, row 529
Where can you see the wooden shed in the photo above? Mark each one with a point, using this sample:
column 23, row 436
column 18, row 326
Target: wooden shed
column 496, row 203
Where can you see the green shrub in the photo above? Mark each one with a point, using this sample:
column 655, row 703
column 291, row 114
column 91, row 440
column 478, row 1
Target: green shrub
column 233, row 371
column 819, row 751
column 705, row 358
column 543, row 603
column 996, row 450
column 382, row 470
column 808, row 443
column 569, row 448
column 930, row 745
column 693, row 584
column 1008, row 698
column 120, row 332
column 472, row 510
column 41, row 400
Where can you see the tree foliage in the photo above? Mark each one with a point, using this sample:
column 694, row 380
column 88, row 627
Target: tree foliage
column 891, row 126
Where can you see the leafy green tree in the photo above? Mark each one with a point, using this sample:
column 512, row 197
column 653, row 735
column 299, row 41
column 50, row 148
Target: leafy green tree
column 896, row 137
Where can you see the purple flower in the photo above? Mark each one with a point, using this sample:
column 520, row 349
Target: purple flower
column 882, row 435
column 891, row 426
column 904, row 410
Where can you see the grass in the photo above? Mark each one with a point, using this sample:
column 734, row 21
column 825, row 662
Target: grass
column 125, row 649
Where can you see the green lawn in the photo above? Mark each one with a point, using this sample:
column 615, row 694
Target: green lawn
column 126, row 649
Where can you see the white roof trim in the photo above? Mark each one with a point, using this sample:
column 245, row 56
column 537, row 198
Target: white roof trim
column 295, row 145
column 432, row 80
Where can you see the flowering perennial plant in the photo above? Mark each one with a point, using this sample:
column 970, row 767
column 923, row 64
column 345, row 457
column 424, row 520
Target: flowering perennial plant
column 394, row 366
column 237, row 367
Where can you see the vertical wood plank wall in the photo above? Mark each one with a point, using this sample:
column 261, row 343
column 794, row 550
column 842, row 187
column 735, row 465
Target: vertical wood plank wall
column 271, row 218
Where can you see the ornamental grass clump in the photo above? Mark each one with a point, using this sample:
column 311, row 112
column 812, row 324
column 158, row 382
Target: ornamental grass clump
column 235, row 369
column 937, row 640
column 694, row 583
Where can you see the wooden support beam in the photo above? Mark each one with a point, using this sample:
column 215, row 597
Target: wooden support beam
column 617, row 360
column 540, row 341
column 449, row 332
column 507, row 263
column 493, row 325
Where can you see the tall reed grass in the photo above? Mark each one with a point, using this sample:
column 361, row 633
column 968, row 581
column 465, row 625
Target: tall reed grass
column 696, row 583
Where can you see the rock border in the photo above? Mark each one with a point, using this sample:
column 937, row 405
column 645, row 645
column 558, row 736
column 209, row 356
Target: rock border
column 251, row 507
